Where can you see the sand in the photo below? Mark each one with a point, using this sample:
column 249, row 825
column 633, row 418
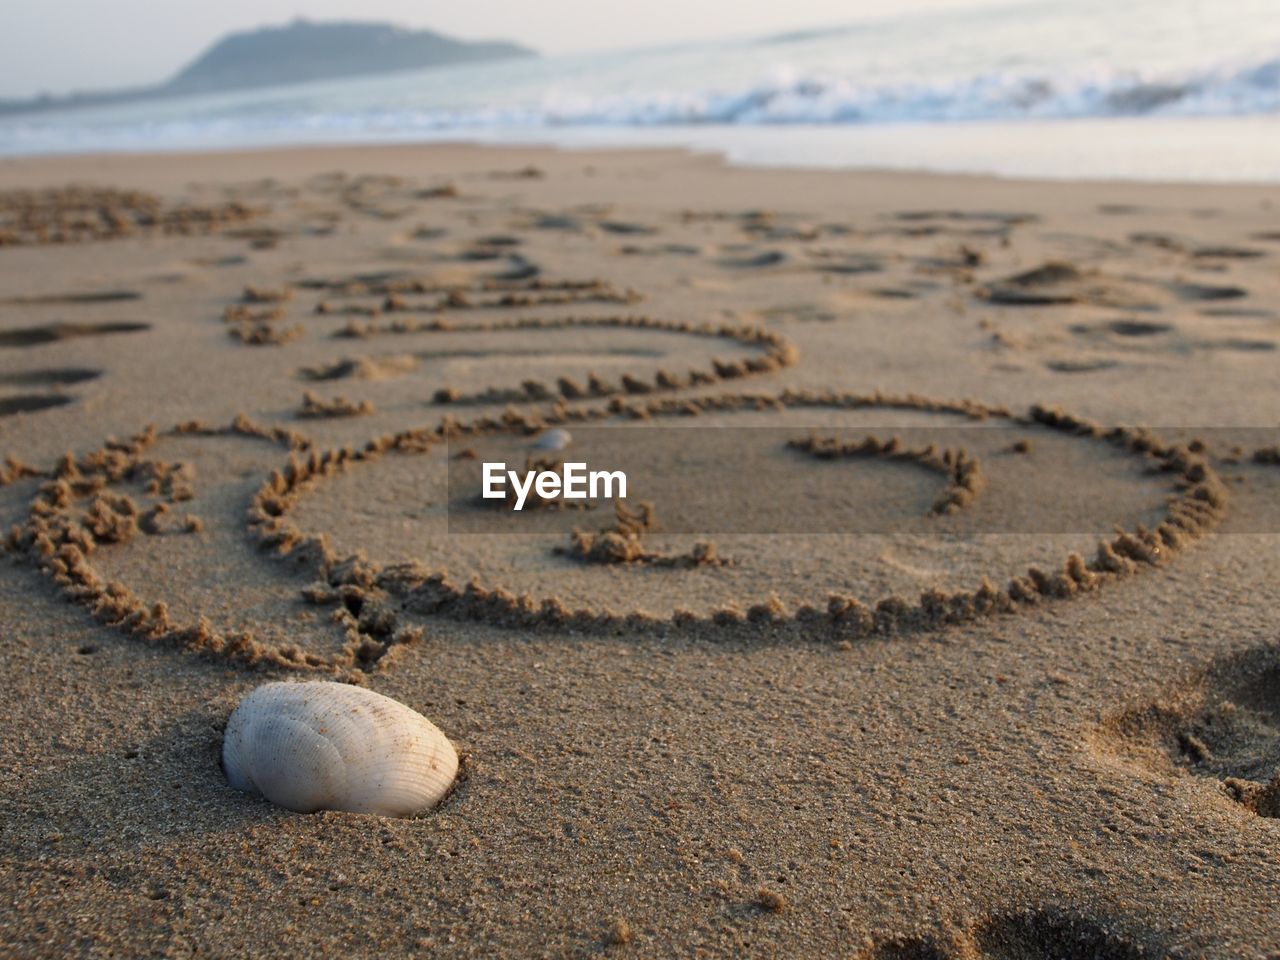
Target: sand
column 1030, row 708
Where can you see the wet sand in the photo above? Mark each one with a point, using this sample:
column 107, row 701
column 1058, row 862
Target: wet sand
column 1032, row 710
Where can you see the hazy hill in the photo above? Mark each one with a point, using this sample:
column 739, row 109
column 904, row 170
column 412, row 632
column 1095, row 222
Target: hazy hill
column 295, row 53
column 317, row 51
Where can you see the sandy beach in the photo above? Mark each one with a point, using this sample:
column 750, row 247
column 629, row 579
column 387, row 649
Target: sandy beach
column 1004, row 683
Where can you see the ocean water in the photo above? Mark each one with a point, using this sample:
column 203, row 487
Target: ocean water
column 1141, row 89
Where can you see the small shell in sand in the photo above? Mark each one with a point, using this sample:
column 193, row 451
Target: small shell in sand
column 555, row 439
column 330, row 746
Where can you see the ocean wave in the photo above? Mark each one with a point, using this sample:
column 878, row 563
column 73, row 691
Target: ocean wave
column 816, row 99
column 786, row 97
column 791, row 97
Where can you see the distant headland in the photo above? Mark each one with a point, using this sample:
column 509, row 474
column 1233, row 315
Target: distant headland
column 295, row 53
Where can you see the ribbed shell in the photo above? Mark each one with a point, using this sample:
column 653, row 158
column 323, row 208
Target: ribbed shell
column 331, row 746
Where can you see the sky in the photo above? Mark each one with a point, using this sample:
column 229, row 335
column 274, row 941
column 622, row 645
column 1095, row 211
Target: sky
column 57, row 46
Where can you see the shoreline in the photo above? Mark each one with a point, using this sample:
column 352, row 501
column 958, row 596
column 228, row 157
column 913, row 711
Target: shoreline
column 27, row 170
column 1144, row 150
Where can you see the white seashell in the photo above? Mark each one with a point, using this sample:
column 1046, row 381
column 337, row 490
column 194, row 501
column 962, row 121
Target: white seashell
column 331, row 746
column 556, row 438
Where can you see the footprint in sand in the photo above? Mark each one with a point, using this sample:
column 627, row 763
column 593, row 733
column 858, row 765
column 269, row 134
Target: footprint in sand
column 1209, row 252
column 60, row 377
column 1038, row 934
column 827, row 312
column 961, row 223
column 30, row 403
column 661, row 250
column 1002, row 218
column 1222, row 725
column 1124, row 328
column 74, row 297
column 1237, row 345
column 1060, row 283
column 53, row 379
column 1227, row 253
column 1202, row 292
column 747, row 260
column 1081, row 365
column 1238, row 313
column 56, row 332
column 845, row 263
column 625, row 228
column 1148, row 338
